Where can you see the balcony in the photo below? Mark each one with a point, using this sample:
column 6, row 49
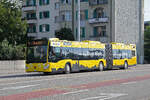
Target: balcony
column 102, row 39
column 29, row 8
column 98, row 20
column 97, row 2
column 31, row 20
column 32, row 34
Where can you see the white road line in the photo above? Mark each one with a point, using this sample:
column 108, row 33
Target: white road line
column 91, row 98
column 129, row 83
column 75, row 92
column 18, row 87
column 105, row 96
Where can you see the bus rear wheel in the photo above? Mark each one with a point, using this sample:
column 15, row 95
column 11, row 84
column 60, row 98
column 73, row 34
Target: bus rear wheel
column 101, row 66
column 67, row 69
column 46, row 73
column 125, row 65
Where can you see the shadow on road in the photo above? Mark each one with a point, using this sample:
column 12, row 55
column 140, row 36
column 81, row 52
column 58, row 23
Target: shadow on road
column 20, row 75
column 46, row 74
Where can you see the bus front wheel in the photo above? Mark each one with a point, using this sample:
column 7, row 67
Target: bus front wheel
column 101, row 66
column 67, row 69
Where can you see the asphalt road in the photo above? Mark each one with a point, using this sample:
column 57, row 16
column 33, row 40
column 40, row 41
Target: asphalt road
column 130, row 84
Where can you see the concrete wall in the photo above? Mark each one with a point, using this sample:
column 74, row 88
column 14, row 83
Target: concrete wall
column 127, row 21
column 129, row 26
column 12, row 66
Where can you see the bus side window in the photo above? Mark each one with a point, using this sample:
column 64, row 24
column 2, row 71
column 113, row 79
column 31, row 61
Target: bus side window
column 76, row 53
column 71, row 53
column 133, row 53
column 63, row 52
column 129, row 54
column 123, row 54
column 115, row 54
column 119, row 54
column 67, row 52
column 91, row 53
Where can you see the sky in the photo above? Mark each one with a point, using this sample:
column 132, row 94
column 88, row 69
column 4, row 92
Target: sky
column 146, row 10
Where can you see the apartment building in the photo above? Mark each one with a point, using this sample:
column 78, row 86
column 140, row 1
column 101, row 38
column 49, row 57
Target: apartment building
column 101, row 20
column 40, row 16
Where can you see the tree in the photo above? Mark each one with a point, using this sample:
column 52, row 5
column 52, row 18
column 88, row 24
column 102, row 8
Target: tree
column 65, row 34
column 12, row 27
column 12, row 31
column 147, row 44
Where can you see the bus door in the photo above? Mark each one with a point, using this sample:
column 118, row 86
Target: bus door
column 109, row 56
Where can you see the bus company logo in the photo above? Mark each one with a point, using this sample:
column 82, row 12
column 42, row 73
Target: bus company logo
column 67, row 43
column 56, row 43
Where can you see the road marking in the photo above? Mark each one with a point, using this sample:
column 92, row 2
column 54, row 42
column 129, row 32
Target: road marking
column 129, row 83
column 75, row 92
column 32, row 95
column 18, row 87
column 105, row 96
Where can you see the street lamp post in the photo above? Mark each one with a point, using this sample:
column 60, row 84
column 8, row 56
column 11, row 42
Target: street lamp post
column 78, row 20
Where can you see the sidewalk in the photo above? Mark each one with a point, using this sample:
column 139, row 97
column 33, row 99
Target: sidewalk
column 22, row 71
column 6, row 72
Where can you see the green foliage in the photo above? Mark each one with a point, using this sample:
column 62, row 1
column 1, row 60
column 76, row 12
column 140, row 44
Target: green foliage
column 12, row 27
column 65, row 34
column 147, row 44
column 12, row 31
column 10, row 52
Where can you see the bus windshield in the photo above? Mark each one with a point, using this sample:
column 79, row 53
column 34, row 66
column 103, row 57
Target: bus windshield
column 36, row 54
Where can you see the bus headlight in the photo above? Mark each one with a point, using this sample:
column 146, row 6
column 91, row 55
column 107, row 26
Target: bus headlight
column 46, row 67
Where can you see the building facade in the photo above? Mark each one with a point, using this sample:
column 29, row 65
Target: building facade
column 100, row 20
column 40, row 16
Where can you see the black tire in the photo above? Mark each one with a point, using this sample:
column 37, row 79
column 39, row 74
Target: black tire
column 101, row 66
column 125, row 65
column 67, row 69
column 46, row 73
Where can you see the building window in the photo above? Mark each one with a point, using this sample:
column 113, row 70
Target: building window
column 66, row 16
column 83, row 0
column 82, row 32
column 83, row 15
column 99, row 31
column 31, row 28
column 43, row 2
column 31, row 2
column 98, row 2
column 44, row 14
column 31, row 16
column 57, row 5
column 44, row 28
column 66, row 1
column 99, row 13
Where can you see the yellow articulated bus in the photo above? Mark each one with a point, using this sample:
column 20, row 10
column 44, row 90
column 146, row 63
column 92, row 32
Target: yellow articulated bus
column 56, row 55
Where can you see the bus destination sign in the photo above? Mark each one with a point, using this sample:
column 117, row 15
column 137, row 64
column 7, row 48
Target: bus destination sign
column 37, row 43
